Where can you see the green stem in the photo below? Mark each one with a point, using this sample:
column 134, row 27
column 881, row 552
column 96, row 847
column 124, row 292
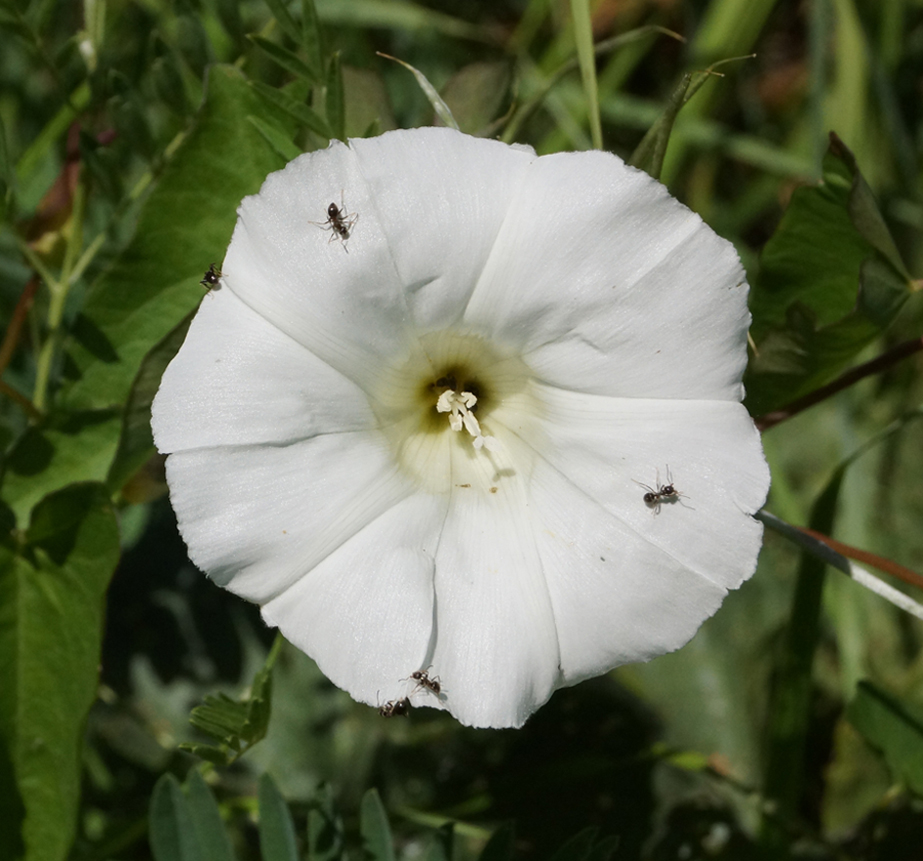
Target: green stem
column 58, row 292
column 790, row 704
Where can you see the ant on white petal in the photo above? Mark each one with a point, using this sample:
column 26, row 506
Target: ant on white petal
column 664, row 493
column 339, row 221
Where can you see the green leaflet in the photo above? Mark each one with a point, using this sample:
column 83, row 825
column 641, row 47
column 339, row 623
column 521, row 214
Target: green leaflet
column 830, row 281
column 53, row 582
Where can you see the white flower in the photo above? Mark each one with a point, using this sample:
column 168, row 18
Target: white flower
column 421, row 451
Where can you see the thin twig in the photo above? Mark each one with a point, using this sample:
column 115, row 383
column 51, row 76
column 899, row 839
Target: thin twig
column 889, row 566
column 31, row 410
column 820, row 546
column 853, row 375
column 20, row 312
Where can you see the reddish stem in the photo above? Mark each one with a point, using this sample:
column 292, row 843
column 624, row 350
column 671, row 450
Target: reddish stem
column 853, row 375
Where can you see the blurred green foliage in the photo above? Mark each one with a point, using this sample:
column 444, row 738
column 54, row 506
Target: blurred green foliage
column 129, row 132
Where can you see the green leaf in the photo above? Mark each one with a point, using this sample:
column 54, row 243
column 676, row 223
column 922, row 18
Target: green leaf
column 210, row 753
column 295, row 109
column 374, row 828
column 830, row 281
column 402, row 16
column 439, row 106
column 136, row 443
column 792, row 688
column 277, row 138
column 206, row 817
column 229, row 16
column 237, row 725
column 500, row 845
column 259, row 704
column 325, row 830
column 288, row 60
column 222, row 718
column 67, row 449
column 11, row 807
column 650, row 153
column 184, row 225
column 475, row 94
column 172, row 832
column 311, row 37
column 284, row 18
column 53, row 582
column 277, row 831
column 586, row 57
column 336, row 101
column 892, row 727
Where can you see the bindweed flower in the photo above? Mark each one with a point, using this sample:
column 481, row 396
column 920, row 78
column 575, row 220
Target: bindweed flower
column 418, row 442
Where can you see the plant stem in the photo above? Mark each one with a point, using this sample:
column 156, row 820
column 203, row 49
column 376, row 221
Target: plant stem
column 853, row 375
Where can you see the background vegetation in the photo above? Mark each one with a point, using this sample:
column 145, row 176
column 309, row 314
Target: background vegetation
column 792, row 725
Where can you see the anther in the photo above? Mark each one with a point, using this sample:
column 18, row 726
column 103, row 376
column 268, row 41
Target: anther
column 458, row 406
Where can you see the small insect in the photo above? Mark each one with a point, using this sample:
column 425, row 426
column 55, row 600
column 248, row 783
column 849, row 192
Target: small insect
column 212, row 279
column 339, row 221
column 664, row 493
column 423, row 680
column 395, row 708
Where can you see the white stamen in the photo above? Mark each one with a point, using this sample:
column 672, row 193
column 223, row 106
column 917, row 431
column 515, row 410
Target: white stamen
column 459, row 408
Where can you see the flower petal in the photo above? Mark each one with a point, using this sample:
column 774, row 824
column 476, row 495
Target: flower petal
column 606, row 284
column 442, row 222
column 258, row 518
column 365, row 613
column 345, row 303
column 496, row 651
column 647, row 579
column 217, row 391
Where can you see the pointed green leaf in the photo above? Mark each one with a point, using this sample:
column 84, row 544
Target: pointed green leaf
column 830, row 281
column 439, row 106
column 184, row 225
column 284, row 18
column 215, row 755
column 277, row 138
column 325, row 830
column 277, row 831
column 259, row 704
column 295, row 109
column 136, row 443
column 892, row 727
column 374, row 828
column 229, row 16
column 476, row 93
column 586, row 57
column 311, row 36
column 172, row 832
column 500, row 845
column 206, row 817
column 288, row 60
column 220, row 717
column 53, row 581
column 336, row 101
column 650, row 153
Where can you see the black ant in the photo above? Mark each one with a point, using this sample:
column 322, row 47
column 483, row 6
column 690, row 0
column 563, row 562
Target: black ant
column 664, row 493
column 421, row 677
column 395, row 708
column 339, row 221
column 212, row 279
